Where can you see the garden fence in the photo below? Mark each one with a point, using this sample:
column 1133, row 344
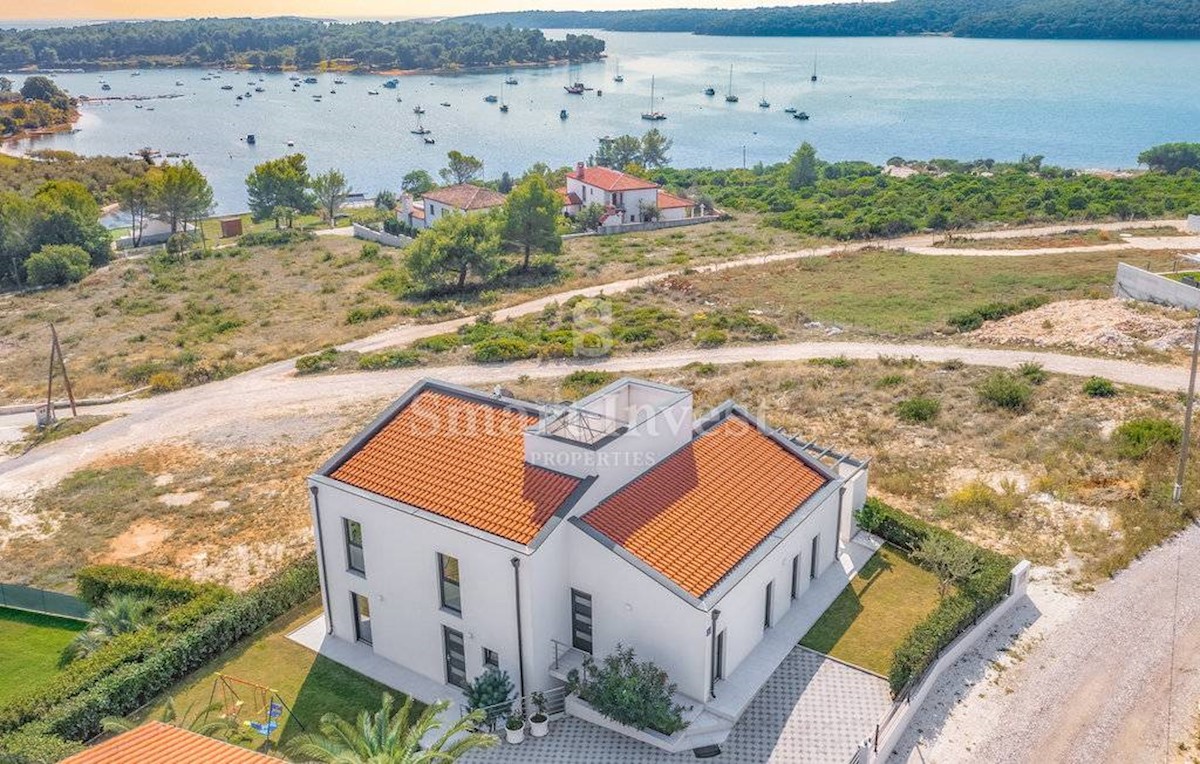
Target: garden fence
column 21, row 597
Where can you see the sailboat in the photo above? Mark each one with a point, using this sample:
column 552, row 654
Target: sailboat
column 653, row 115
column 421, row 129
column 764, row 103
column 619, row 77
column 814, row 74
column 729, row 96
column 503, row 103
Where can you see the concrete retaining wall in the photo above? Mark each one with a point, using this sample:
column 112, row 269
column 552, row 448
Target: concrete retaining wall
column 379, row 237
column 655, row 225
column 1139, row 284
column 901, row 715
column 1193, row 223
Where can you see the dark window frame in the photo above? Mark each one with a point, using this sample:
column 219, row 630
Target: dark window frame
column 351, row 546
column 359, row 621
column 796, row 577
column 816, row 551
column 443, row 582
column 491, row 658
column 768, row 604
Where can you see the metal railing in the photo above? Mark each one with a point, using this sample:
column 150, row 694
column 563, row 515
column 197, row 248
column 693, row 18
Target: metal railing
column 561, row 649
column 553, row 700
column 30, row 598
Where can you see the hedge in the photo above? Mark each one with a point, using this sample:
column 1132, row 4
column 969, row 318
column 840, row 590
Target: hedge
column 954, row 614
column 30, row 745
column 134, row 684
column 96, row 582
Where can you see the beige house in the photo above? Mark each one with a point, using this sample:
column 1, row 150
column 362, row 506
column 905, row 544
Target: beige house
column 464, row 197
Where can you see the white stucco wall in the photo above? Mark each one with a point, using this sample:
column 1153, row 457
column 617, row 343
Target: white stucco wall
column 402, row 584
column 631, row 608
column 742, row 607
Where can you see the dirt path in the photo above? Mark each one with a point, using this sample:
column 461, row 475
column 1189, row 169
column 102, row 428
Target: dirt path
column 1101, row 685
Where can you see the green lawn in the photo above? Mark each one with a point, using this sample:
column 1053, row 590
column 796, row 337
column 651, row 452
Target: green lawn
column 875, row 612
column 30, row 644
column 309, row 684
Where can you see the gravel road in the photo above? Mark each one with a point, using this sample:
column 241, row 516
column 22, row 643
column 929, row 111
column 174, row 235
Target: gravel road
column 1091, row 684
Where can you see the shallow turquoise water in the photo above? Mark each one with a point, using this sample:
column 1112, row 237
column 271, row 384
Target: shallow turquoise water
column 1080, row 103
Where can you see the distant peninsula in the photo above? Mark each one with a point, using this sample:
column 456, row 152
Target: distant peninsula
column 1016, row 19
column 290, row 43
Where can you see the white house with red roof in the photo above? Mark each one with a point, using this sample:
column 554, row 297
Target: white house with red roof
column 626, row 198
column 448, row 200
column 462, row 531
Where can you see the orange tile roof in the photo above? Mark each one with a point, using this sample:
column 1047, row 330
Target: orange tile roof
column 668, row 201
column 158, row 743
column 609, row 180
column 569, row 197
column 465, row 196
column 697, row 514
column 464, row 459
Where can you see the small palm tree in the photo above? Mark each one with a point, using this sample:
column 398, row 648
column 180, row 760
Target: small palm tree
column 122, row 613
column 389, row 736
column 217, row 726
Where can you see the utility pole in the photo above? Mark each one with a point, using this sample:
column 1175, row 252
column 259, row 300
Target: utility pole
column 743, row 156
column 56, row 353
column 1177, row 493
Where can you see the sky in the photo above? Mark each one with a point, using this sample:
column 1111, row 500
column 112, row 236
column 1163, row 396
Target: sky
column 10, row 10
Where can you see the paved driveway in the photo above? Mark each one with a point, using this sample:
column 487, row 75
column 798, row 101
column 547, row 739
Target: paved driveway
column 812, row 711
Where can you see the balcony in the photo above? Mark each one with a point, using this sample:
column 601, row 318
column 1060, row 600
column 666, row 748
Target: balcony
column 566, row 658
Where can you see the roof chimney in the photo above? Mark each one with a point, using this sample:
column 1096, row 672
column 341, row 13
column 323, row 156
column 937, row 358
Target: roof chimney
column 579, row 168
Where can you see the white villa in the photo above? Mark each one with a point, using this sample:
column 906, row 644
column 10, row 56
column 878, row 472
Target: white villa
column 464, row 197
column 462, row 530
column 625, row 198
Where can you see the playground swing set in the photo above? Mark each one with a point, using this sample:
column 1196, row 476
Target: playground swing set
column 257, row 707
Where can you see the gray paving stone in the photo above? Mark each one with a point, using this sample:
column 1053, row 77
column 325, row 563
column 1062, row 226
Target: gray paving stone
column 811, row 711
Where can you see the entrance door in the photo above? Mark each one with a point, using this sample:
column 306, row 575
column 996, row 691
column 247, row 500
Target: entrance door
column 456, row 657
column 581, row 621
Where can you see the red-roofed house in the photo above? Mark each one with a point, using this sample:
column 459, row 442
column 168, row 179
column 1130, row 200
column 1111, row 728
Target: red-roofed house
column 462, row 531
column 626, row 198
column 464, row 197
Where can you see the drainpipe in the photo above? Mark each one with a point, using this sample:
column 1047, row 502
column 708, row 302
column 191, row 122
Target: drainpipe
column 516, row 563
column 712, row 664
column 321, row 556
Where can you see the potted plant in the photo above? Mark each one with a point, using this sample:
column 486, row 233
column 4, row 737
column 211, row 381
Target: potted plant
column 539, row 723
column 514, row 728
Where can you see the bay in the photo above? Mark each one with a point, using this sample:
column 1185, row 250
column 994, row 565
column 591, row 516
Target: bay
column 1086, row 104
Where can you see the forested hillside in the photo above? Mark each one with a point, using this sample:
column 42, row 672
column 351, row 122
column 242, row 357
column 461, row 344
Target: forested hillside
column 276, row 42
column 1048, row 19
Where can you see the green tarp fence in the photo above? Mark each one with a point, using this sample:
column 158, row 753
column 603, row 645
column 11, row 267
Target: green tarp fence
column 42, row 601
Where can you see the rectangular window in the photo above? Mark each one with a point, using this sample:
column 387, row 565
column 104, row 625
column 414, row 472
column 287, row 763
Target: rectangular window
column 362, row 617
column 812, row 565
column 719, row 657
column 795, row 576
column 456, row 657
column 448, row 575
column 354, row 550
column 767, row 602
column 581, row 621
column 491, row 658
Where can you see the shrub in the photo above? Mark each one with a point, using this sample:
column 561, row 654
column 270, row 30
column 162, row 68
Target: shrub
column 629, row 692
column 322, row 361
column 490, row 691
column 96, row 583
column 499, row 349
column 710, row 338
column 978, row 593
column 973, row 319
column 275, row 238
column 35, row 747
column 369, row 251
column 388, row 359
column 953, row 364
column 133, row 684
column 1138, row 437
column 366, row 313
column 1032, row 372
column 438, row 343
column 1099, row 387
column 1005, row 391
column 890, row 380
column 165, row 381
column 837, row 362
column 585, row 381
column 918, row 409
column 57, row 264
